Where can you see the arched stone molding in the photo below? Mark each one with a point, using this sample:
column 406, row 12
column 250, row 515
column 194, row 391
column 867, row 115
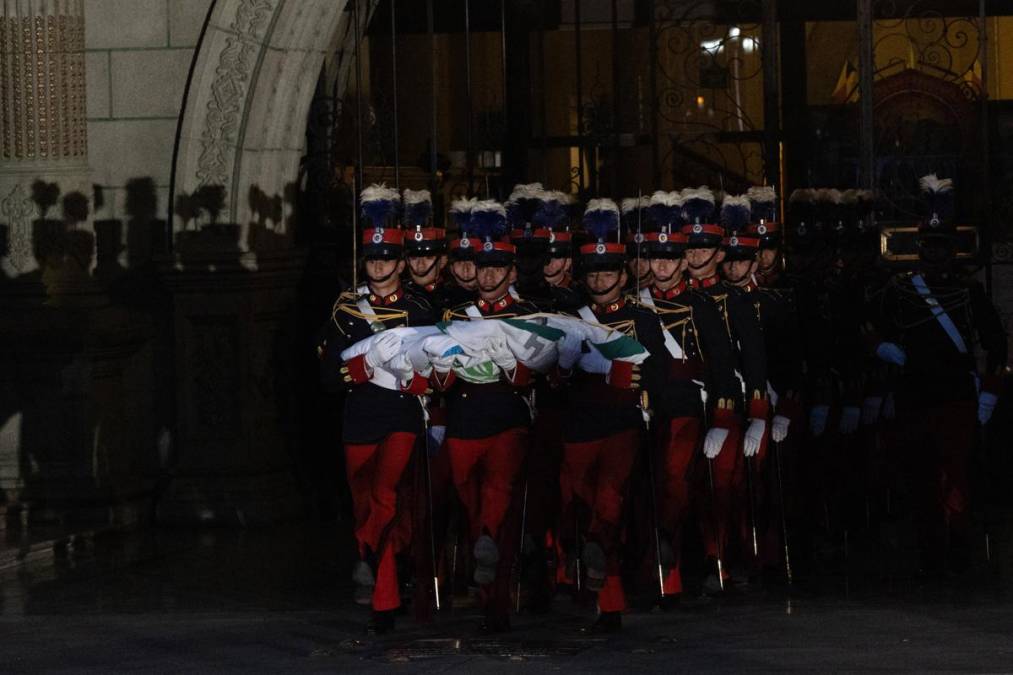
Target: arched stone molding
column 245, row 120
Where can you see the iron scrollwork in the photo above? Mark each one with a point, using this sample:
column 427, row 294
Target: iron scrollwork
column 709, row 76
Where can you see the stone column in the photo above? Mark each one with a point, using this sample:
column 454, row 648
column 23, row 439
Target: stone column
column 43, row 134
column 76, row 436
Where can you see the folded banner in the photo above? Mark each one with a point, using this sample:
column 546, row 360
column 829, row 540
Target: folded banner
column 539, row 341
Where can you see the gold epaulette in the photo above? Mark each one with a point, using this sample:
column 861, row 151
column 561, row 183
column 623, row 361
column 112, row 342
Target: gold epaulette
column 626, row 326
column 346, row 304
column 456, row 314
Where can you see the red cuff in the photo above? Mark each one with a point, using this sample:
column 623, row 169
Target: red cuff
column 790, row 408
column 723, row 418
column 417, row 386
column 521, row 375
column 357, row 369
column 620, row 374
column 759, row 408
column 438, row 416
column 443, row 381
column 992, row 384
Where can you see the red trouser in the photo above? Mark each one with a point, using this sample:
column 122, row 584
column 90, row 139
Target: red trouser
column 937, row 445
column 485, row 472
column 374, row 471
column 595, row 474
column 677, row 445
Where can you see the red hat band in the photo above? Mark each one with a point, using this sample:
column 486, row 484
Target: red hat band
column 741, row 242
column 666, row 238
column 519, row 234
column 764, row 229
column 602, row 248
column 383, row 235
column 426, row 234
column 703, row 228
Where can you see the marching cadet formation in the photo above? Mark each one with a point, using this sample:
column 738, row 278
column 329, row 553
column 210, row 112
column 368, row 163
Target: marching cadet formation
column 795, row 390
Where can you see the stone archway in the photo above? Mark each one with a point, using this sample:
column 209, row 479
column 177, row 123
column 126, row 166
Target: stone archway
column 244, row 123
column 235, row 285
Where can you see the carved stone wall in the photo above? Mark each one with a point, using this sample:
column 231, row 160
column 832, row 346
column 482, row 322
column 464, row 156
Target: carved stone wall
column 43, row 137
column 245, row 123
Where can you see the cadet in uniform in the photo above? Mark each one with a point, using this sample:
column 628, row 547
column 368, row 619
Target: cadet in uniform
column 488, row 422
column 425, row 250
column 604, row 424
column 696, row 399
column 380, row 423
column 704, row 255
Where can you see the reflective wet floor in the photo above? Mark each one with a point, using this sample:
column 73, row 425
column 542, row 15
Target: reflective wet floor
column 277, row 600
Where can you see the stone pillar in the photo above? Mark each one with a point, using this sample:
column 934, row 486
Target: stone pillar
column 43, row 136
column 76, row 436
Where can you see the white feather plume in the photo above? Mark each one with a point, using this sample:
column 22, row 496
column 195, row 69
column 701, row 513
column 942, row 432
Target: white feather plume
column 801, row 195
column 736, row 200
column 702, row 192
column 379, row 191
column 673, row 198
column 762, row 194
column 601, row 205
column 828, row 195
column 489, row 205
column 463, row 204
column 527, row 191
column 417, row 196
column 933, row 183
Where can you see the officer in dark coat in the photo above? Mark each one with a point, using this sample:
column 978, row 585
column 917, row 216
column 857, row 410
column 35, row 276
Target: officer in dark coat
column 931, row 322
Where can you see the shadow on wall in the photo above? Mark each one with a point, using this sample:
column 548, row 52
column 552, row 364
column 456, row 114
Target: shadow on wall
column 67, row 432
column 83, row 418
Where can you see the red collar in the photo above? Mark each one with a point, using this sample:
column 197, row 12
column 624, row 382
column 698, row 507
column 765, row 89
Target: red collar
column 674, row 291
column 375, row 299
column 496, row 305
column 705, row 283
column 609, row 308
column 429, row 288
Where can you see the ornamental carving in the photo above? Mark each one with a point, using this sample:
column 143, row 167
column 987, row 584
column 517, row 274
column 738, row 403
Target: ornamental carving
column 18, row 211
column 42, row 86
column 228, row 90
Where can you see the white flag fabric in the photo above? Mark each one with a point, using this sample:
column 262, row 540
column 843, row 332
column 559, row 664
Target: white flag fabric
column 539, row 341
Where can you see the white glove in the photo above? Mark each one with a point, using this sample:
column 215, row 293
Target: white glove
column 871, row 407
column 714, row 441
column 849, row 419
column 753, row 436
column 437, row 434
column 779, row 428
column 385, row 347
column 501, row 355
column 889, row 407
column 569, row 350
column 891, row 353
column 401, row 366
column 986, row 406
column 818, row 419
